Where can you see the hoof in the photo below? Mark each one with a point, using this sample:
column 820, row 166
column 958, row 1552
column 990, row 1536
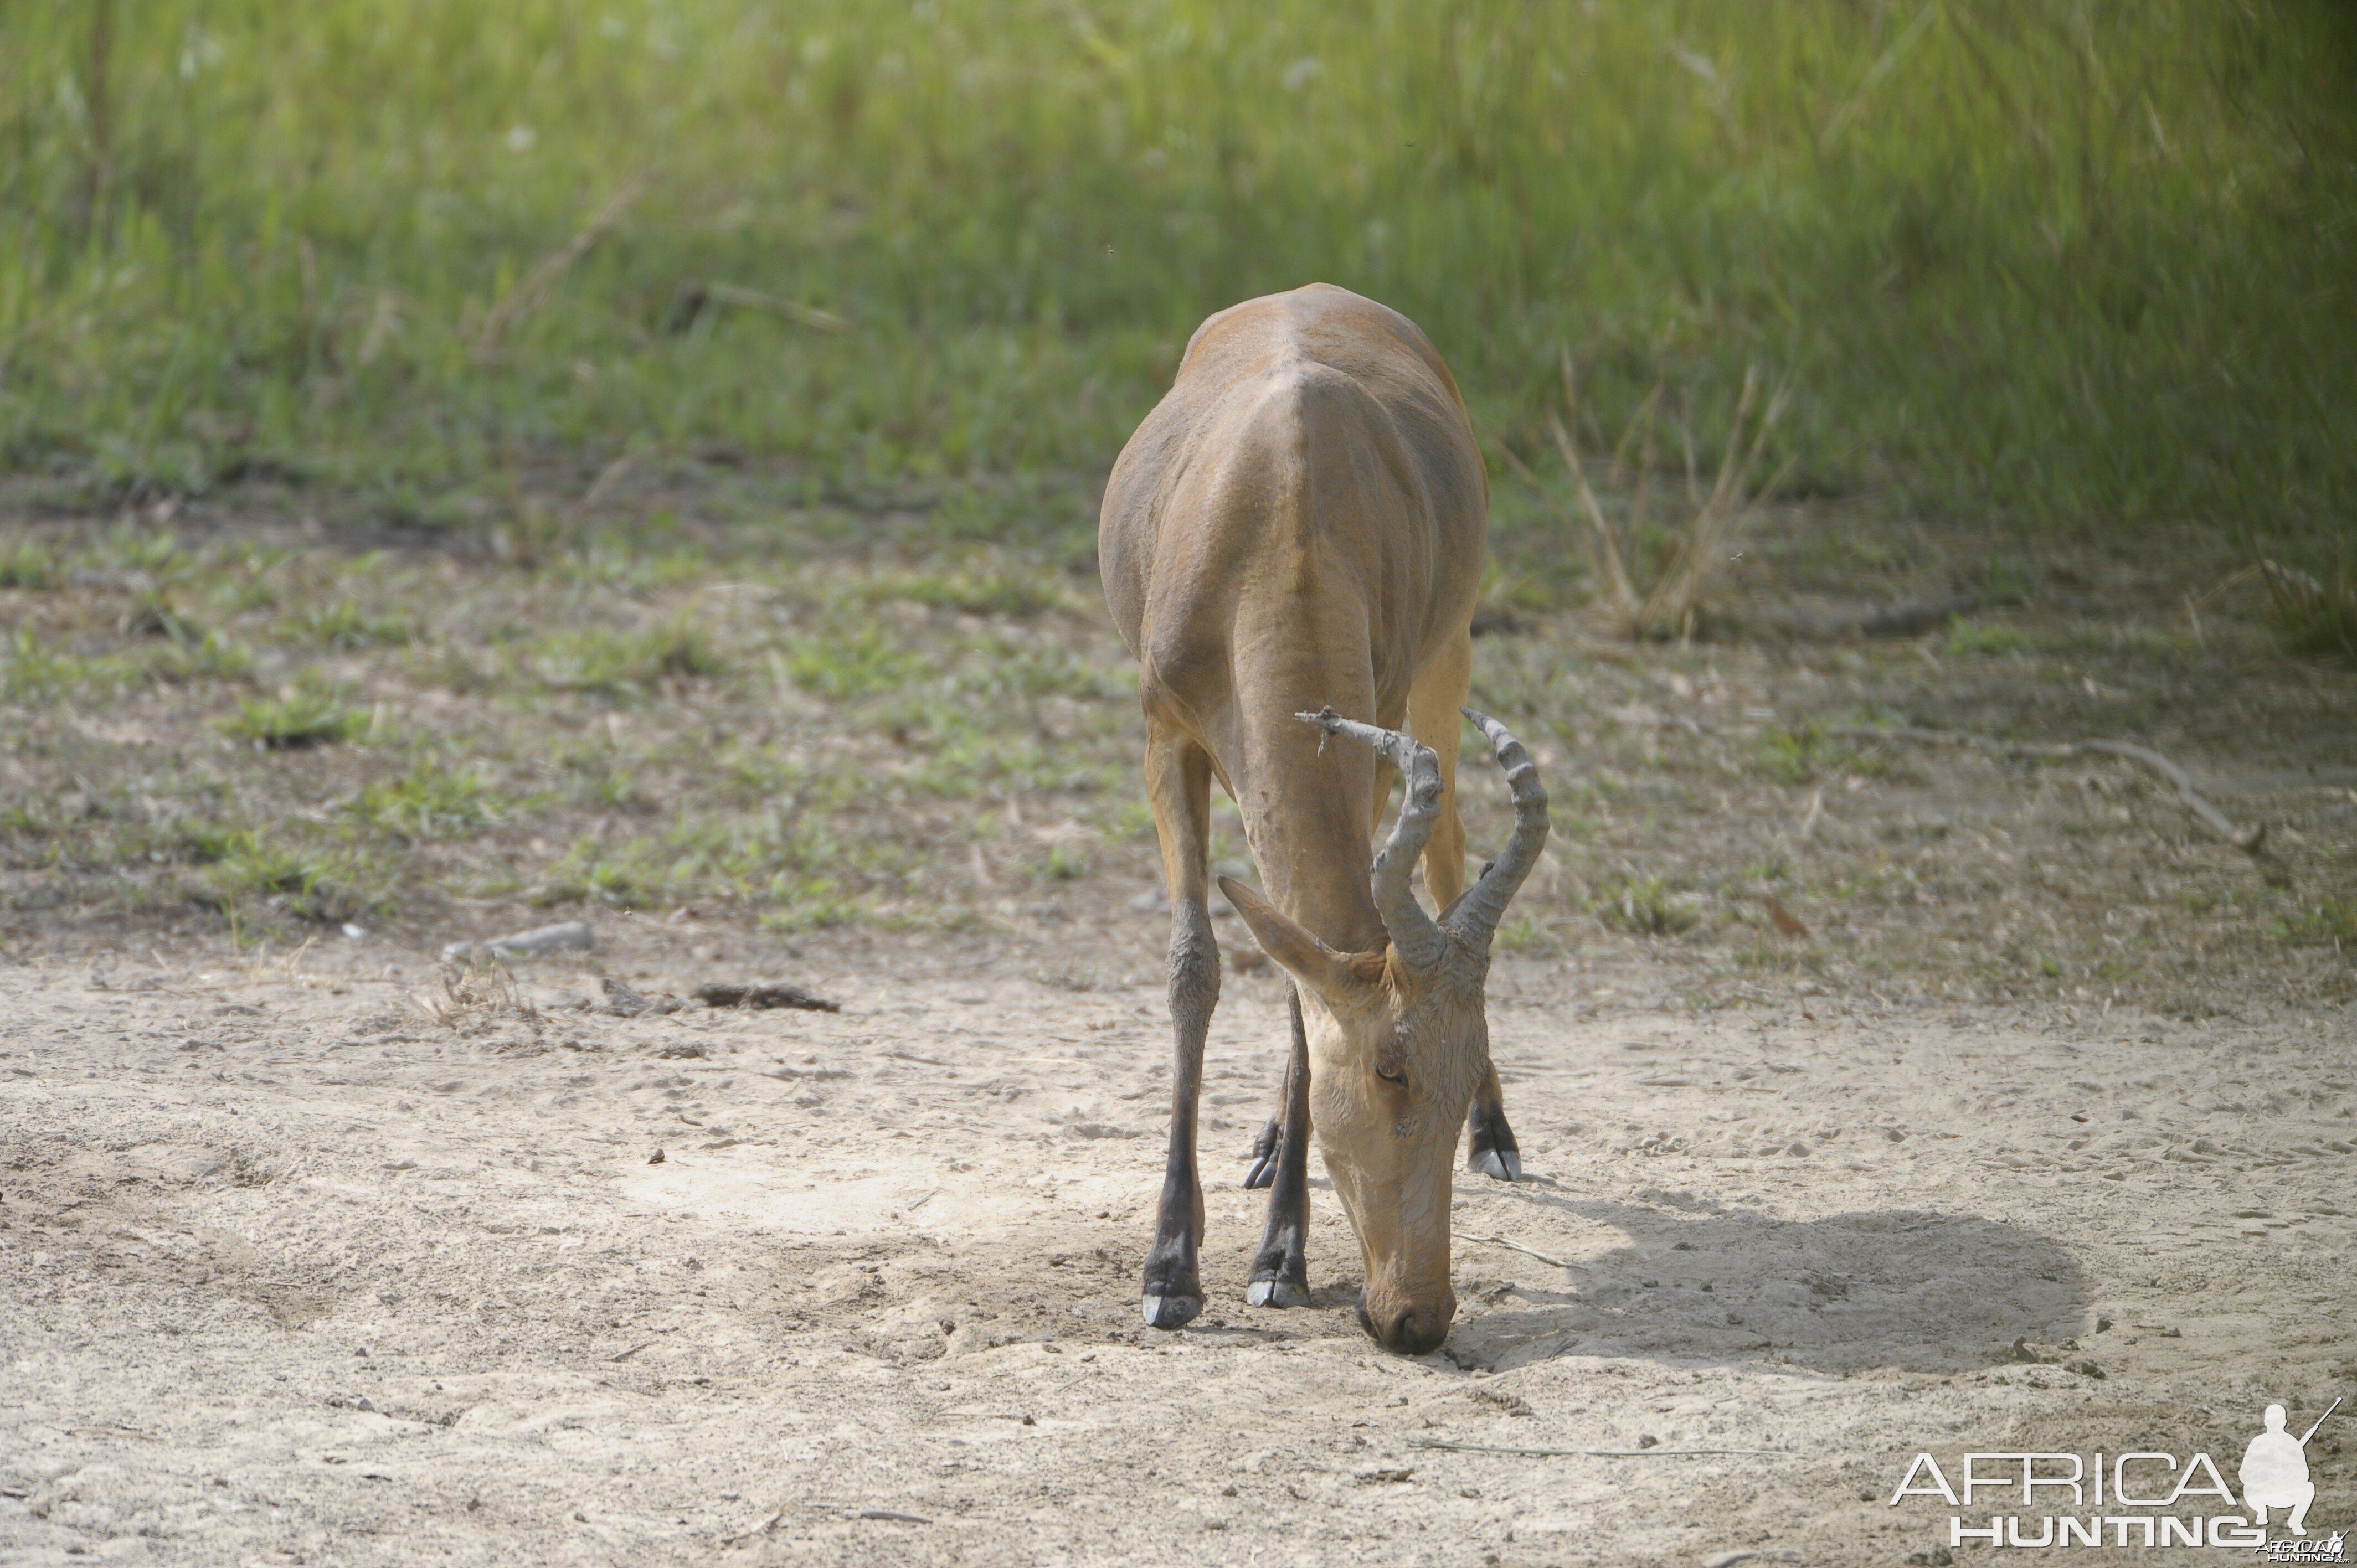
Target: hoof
column 1275, row 1293
column 1265, row 1150
column 1497, row 1166
column 1171, row 1311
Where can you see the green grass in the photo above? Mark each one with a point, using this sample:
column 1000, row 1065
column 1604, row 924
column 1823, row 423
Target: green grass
column 1971, row 640
column 34, row 668
column 2331, row 920
column 2070, row 260
column 257, row 872
column 1794, row 755
column 1647, row 907
column 294, row 720
column 429, row 801
column 988, row 592
column 783, row 863
column 1520, row 935
column 1798, row 754
column 621, row 664
column 27, row 566
column 847, row 667
column 208, row 657
column 343, row 624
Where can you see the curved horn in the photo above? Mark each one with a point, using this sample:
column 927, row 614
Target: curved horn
column 1415, row 936
column 1478, row 913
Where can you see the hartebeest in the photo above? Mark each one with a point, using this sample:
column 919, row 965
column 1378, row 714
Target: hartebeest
column 1296, row 533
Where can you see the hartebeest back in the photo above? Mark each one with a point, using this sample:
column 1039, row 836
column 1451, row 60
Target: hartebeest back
column 1291, row 544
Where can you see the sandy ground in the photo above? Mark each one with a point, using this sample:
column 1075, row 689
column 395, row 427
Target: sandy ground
column 291, row 1270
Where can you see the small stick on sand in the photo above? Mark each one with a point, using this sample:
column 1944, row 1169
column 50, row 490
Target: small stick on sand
column 1594, row 1452
column 771, row 993
column 2248, row 839
column 1517, row 1246
column 763, row 1528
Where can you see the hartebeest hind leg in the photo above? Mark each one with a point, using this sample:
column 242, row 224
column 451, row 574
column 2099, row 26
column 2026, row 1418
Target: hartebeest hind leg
column 1179, row 782
column 1280, row 1270
column 1490, row 1146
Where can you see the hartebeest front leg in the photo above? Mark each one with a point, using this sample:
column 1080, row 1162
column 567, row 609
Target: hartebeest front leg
column 1178, row 781
column 1280, row 1271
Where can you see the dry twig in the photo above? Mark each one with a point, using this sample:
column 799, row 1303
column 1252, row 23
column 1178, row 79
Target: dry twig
column 2248, row 839
column 1592, row 1453
column 1517, row 1246
column 767, row 993
column 1909, row 617
column 624, row 1001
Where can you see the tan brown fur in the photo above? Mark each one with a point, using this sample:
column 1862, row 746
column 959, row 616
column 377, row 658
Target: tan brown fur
column 1300, row 526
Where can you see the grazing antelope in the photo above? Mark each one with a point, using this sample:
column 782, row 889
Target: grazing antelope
column 1296, row 533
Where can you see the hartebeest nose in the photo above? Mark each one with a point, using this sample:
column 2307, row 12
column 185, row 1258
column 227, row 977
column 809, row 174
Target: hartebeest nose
column 1410, row 1331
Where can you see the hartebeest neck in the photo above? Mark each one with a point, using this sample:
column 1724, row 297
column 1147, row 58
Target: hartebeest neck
column 1307, row 806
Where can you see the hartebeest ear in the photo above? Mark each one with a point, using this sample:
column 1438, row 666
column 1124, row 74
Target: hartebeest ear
column 1329, row 973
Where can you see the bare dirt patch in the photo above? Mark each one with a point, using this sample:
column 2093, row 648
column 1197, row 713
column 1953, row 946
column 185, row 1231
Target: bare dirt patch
column 294, row 1274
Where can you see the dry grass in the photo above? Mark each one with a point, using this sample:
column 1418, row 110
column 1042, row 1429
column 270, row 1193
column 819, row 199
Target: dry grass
column 1696, row 559
column 475, row 996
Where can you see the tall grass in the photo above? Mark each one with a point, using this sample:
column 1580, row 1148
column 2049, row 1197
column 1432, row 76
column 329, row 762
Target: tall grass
column 2069, row 260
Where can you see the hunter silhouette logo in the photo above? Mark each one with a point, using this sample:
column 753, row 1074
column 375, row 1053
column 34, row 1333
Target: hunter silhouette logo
column 2275, row 1471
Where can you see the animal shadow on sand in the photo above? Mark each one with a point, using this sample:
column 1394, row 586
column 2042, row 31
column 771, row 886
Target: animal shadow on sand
column 1698, row 1281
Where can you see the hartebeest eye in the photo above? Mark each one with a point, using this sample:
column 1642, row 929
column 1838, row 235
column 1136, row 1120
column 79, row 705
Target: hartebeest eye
column 1391, row 1075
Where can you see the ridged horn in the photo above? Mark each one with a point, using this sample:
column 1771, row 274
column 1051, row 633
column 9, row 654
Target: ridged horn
column 1415, row 936
column 1478, row 913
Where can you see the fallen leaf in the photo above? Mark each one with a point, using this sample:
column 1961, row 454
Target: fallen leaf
column 1787, row 923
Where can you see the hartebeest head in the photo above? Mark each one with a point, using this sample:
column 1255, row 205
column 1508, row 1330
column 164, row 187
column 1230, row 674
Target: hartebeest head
column 1398, row 1039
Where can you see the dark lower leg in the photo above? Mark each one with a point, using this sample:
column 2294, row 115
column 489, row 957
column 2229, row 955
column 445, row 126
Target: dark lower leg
column 1173, row 1293
column 1490, row 1146
column 1280, row 1272
column 1178, row 781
